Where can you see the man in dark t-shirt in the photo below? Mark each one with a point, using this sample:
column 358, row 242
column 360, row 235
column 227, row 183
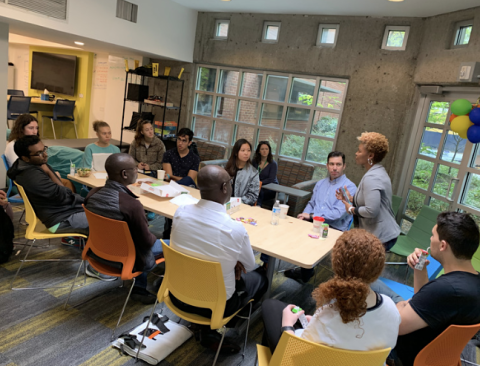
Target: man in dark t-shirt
column 453, row 298
column 181, row 164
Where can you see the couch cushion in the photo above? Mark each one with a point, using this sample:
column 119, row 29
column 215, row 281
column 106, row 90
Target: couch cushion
column 209, row 151
column 290, row 172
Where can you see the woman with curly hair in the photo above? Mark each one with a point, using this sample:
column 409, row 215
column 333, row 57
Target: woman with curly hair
column 371, row 206
column 349, row 315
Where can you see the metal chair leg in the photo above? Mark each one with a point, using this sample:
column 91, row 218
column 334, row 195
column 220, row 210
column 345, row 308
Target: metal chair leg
column 220, row 345
column 145, row 332
column 73, row 285
column 246, row 333
column 75, row 127
column 21, row 264
column 53, row 128
column 123, row 309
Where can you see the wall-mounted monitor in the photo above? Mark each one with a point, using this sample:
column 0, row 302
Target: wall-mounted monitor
column 54, row 72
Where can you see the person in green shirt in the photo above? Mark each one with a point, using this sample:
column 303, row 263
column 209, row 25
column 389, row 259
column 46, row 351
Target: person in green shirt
column 102, row 146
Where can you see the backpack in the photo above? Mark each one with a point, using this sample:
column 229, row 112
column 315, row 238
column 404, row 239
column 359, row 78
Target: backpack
column 6, row 236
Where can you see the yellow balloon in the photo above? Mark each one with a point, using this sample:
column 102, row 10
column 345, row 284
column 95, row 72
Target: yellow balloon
column 463, row 134
column 460, row 125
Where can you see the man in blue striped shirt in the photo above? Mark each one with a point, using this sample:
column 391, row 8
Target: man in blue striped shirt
column 325, row 204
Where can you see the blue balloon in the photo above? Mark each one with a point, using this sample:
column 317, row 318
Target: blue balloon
column 473, row 134
column 475, row 116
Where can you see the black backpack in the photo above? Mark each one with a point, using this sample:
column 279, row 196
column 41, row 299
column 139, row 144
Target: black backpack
column 6, row 236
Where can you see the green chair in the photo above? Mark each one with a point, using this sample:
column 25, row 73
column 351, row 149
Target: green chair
column 396, row 202
column 419, row 234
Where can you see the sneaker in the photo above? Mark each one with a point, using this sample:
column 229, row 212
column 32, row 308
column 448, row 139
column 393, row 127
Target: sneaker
column 102, row 277
column 142, row 295
column 150, row 216
column 297, row 275
column 210, row 339
column 72, row 241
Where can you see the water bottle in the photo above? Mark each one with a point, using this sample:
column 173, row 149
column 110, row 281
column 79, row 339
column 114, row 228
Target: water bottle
column 276, row 213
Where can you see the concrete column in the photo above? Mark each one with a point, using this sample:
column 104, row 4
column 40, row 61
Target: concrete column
column 3, row 95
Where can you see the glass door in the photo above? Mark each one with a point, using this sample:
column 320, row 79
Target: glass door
column 444, row 169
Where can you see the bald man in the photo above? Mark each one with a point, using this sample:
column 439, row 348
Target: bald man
column 207, row 232
column 117, row 202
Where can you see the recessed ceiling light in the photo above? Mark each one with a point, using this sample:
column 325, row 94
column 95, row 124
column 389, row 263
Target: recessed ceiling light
column 226, row 0
column 80, row 43
column 396, row 1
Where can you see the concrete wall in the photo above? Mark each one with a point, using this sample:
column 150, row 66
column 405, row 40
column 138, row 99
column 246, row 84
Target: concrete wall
column 381, row 88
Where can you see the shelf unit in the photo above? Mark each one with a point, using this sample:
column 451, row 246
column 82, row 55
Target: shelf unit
column 142, row 105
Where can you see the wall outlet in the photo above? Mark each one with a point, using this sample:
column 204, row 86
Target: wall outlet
column 469, row 72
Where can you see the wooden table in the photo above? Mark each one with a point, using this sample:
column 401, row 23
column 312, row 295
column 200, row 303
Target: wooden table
column 288, row 191
column 288, row 241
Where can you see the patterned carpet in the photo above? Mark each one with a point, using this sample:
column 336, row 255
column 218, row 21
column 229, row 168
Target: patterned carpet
column 36, row 330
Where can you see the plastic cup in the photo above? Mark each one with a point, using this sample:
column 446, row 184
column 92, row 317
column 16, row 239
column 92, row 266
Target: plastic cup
column 317, row 223
column 284, row 211
column 160, row 174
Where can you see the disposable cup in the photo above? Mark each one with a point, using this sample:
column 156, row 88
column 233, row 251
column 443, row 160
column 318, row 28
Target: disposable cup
column 317, row 223
column 283, row 211
column 160, row 174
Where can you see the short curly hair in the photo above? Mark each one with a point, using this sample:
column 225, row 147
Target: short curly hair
column 375, row 143
column 358, row 258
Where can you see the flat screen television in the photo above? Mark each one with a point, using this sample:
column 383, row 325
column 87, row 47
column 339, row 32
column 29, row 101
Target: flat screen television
column 54, row 72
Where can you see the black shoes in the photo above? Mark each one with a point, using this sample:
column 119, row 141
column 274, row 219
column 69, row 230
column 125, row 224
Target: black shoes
column 299, row 274
column 142, row 295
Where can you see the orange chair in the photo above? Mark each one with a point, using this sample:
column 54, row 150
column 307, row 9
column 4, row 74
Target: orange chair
column 103, row 233
column 445, row 350
column 258, row 192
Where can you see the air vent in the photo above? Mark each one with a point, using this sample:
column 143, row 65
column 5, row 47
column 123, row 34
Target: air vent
column 127, row 11
column 51, row 8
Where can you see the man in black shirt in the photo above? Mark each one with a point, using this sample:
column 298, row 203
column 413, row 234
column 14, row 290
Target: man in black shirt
column 181, row 164
column 453, row 298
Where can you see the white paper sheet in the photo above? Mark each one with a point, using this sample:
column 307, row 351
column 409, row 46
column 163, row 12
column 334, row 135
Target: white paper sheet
column 171, row 190
column 184, row 199
column 100, row 175
column 98, row 161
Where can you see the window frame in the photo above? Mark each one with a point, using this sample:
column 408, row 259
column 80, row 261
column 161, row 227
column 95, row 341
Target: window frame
column 217, row 24
column 266, row 24
column 257, row 127
column 388, row 29
column 321, row 27
column 456, row 30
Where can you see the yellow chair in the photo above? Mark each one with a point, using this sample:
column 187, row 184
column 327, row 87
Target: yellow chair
column 37, row 231
column 198, row 283
column 294, row 351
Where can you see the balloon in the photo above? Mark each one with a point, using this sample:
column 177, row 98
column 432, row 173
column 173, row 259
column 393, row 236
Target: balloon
column 475, row 116
column 473, row 134
column 461, row 107
column 461, row 125
column 452, row 116
column 463, row 134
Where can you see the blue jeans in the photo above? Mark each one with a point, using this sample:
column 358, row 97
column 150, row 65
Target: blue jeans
column 381, row 288
column 187, row 181
column 141, row 281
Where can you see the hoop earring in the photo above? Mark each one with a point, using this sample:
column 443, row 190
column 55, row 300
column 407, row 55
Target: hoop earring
column 370, row 161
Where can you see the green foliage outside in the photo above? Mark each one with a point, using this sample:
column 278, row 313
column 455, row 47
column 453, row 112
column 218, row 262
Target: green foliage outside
column 438, row 112
column 395, row 38
column 333, row 101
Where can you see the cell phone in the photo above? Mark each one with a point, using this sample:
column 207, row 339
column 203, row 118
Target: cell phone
column 345, row 195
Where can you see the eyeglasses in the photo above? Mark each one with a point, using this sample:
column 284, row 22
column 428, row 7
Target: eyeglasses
column 41, row 153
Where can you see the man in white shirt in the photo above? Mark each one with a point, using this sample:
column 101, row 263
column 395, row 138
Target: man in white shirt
column 207, row 232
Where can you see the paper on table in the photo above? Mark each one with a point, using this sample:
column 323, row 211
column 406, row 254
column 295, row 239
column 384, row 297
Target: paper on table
column 100, row 175
column 171, row 190
column 184, row 199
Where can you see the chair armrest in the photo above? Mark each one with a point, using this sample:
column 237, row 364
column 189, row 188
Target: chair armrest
column 306, row 186
column 221, row 162
column 264, row 355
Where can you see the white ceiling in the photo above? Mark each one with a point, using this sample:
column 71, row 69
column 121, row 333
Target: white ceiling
column 407, row 8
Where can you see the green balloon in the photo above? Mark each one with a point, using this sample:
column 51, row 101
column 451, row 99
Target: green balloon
column 461, row 107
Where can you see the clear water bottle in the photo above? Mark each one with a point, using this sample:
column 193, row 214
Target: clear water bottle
column 276, row 213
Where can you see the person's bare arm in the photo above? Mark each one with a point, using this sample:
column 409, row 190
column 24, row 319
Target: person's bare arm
column 303, row 216
column 192, row 174
column 411, row 321
column 168, row 170
column 51, row 174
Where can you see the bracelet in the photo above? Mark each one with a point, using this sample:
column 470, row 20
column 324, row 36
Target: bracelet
column 351, row 209
column 286, row 328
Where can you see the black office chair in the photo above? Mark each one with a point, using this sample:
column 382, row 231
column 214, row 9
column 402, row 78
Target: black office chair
column 15, row 92
column 16, row 106
column 62, row 112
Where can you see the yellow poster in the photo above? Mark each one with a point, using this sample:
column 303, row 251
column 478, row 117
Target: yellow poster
column 155, row 69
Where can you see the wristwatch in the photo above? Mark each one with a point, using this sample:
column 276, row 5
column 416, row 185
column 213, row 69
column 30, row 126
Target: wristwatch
column 287, row 328
column 351, row 210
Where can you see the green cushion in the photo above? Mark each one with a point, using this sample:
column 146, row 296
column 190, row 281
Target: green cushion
column 396, row 202
column 404, row 246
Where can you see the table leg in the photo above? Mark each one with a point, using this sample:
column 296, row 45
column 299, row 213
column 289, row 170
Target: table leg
column 276, row 197
column 285, row 199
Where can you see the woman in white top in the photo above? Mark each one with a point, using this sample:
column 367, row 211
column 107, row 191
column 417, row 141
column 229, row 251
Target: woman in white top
column 350, row 315
column 25, row 125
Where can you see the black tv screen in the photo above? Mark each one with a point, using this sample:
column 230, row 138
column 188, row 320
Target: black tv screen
column 53, row 72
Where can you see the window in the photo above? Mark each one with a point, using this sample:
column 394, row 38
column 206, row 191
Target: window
column 271, row 31
column 221, row 29
column 461, row 34
column 298, row 114
column 395, row 38
column 327, row 35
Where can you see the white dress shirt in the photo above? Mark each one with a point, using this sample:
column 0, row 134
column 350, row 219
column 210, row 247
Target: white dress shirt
column 205, row 231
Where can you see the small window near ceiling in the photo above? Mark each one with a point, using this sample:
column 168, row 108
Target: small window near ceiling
column 327, row 35
column 271, row 32
column 221, row 29
column 461, row 34
column 395, row 38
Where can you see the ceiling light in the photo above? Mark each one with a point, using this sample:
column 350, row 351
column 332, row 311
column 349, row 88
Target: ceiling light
column 396, row 1
column 226, row 0
column 79, row 43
